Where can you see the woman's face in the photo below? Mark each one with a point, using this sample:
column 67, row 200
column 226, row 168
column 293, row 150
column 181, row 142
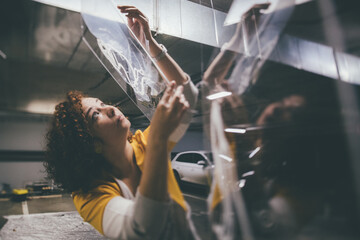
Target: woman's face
column 106, row 122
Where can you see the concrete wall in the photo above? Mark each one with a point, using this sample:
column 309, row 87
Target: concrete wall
column 22, row 135
column 18, row 174
column 191, row 141
column 18, row 134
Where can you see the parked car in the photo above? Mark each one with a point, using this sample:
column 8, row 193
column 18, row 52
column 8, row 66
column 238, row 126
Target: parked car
column 39, row 188
column 194, row 167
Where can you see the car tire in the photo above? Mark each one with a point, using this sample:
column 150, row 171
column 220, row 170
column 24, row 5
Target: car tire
column 177, row 177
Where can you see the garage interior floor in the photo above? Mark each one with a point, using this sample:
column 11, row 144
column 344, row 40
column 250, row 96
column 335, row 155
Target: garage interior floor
column 55, row 217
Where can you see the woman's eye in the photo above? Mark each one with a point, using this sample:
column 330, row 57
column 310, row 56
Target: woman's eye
column 102, row 104
column 95, row 116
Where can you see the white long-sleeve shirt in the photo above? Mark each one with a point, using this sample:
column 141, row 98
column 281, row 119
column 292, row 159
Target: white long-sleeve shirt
column 138, row 217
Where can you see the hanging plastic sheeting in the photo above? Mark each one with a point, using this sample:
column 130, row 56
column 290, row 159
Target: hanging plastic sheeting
column 121, row 54
column 252, row 43
column 259, row 38
column 228, row 214
column 302, row 53
column 283, row 138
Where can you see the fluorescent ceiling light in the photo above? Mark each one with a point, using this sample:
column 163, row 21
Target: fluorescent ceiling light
column 235, row 130
column 254, row 152
column 229, row 159
column 218, row 95
column 242, row 183
column 44, row 107
column 248, row 173
column 3, row 55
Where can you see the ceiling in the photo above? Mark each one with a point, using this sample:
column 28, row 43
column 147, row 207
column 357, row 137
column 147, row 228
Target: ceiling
column 42, row 55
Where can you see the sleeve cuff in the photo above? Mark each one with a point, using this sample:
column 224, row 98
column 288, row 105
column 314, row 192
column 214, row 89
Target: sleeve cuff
column 146, row 210
column 190, row 92
column 191, row 95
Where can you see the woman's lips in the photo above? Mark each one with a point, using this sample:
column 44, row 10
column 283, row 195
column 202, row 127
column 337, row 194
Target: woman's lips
column 120, row 118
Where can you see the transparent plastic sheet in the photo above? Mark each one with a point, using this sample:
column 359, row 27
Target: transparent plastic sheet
column 284, row 162
column 121, row 54
column 259, row 40
column 228, row 213
column 253, row 42
column 301, row 53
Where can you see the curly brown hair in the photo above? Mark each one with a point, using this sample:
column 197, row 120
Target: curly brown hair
column 71, row 158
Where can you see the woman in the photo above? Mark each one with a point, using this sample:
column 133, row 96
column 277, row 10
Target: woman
column 122, row 184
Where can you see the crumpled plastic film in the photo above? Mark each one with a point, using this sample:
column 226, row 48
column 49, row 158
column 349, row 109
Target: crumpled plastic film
column 280, row 112
column 250, row 47
column 121, row 54
column 259, row 39
column 228, row 214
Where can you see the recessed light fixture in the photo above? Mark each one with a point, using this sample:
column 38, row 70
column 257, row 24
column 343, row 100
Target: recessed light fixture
column 254, row 152
column 248, row 173
column 242, row 183
column 235, row 130
column 218, row 95
column 41, row 106
column 3, row 55
column 229, row 159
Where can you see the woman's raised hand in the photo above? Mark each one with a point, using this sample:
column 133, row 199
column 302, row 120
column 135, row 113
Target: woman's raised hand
column 137, row 22
column 169, row 111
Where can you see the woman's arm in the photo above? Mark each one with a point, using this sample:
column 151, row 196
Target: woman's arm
column 139, row 25
column 126, row 219
column 220, row 66
column 167, row 117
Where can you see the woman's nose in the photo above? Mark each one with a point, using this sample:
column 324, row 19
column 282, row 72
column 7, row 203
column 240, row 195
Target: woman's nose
column 110, row 111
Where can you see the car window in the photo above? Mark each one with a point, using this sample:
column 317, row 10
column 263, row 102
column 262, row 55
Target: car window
column 198, row 157
column 173, row 155
column 184, row 158
column 190, row 158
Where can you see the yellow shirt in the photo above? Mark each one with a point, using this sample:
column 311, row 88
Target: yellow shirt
column 91, row 206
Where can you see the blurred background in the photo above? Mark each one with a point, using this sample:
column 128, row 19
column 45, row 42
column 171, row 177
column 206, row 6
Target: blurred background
column 287, row 110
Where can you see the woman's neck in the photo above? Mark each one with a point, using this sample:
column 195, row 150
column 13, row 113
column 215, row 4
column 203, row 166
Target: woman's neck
column 120, row 156
column 124, row 168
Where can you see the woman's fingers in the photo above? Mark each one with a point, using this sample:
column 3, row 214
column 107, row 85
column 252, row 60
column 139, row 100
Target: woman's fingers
column 168, row 92
column 132, row 10
column 143, row 20
column 137, row 22
column 185, row 105
column 178, row 103
column 177, row 94
column 255, row 10
column 184, row 102
column 130, row 22
column 123, row 8
column 174, row 100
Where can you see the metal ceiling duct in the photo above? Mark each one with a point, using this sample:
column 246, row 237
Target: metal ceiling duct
column 194, row 22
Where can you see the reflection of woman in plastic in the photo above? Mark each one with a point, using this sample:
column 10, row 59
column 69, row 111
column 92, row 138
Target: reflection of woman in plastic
column 224, row 200
column 123, row 184
column 292, row 162
column 302, row 167
column 293, row 165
